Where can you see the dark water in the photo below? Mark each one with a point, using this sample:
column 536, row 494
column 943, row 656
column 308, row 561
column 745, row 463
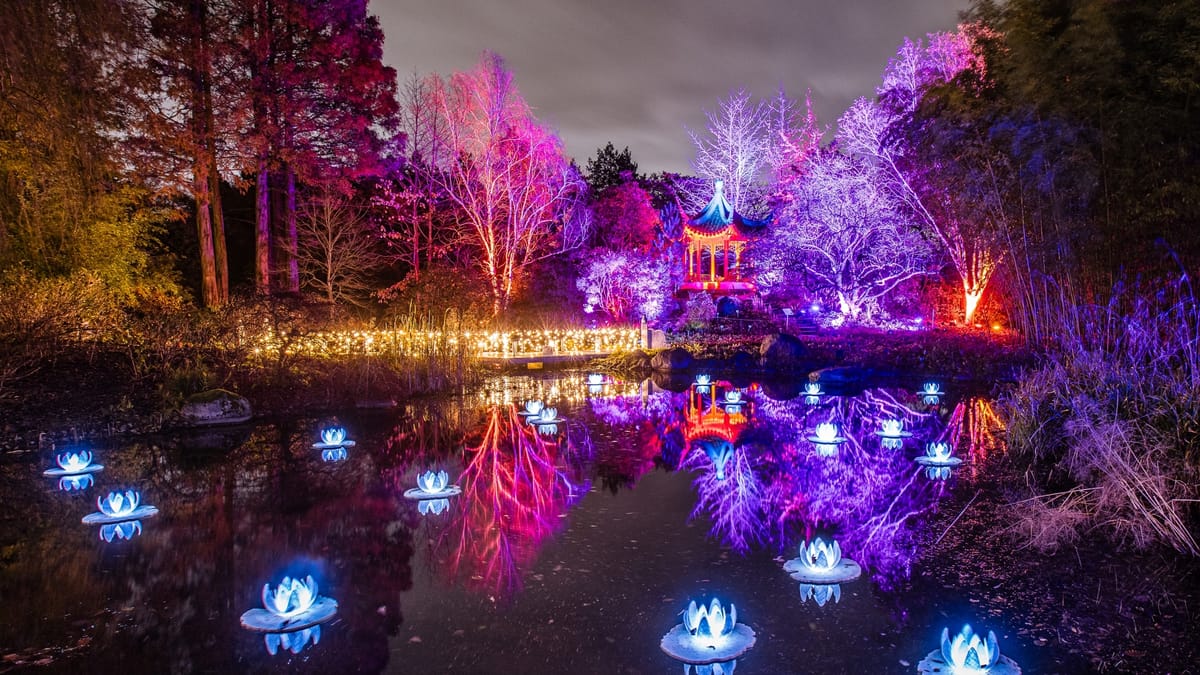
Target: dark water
column 570, row 552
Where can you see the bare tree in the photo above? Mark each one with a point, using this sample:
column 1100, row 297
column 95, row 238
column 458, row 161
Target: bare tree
column 736, row 149
column 516, row 196
column 338, row 253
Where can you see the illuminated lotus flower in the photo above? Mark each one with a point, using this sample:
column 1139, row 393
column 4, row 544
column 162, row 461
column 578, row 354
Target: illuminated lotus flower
column 939, row 452
column 433, row 483
column 290, row 597
column 821, row 562
column 432, row 506
column 73, row 462
column 931, row 389
column 966, row 652
column 826, row 438
column 595, row 378
column 703, row 380
column 938, row 472
column 820, row 556
column 533, row 407
column 820, row 593
column 333, row 436
column 813, row 389
column 337, row 454
column 75, row 483
column 709, row 624
column 547, row 429
column 891, row 428
column 294, row 641
column 124, row 530
column 119, row 504
column 733, row 396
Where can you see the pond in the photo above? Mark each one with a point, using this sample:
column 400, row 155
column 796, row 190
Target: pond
column 570, row 549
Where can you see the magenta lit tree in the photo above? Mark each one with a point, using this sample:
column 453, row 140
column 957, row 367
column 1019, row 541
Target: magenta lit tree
column 516, row 197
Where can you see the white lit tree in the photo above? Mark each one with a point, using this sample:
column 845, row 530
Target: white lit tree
column 843, row 232
column 628, row 285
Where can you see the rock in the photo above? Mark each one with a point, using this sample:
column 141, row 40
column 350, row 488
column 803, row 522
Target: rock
column 677, row 358
column 838, row 376
column 657, row 339
column 781, row 352
column 637, row 359
column 215, row 406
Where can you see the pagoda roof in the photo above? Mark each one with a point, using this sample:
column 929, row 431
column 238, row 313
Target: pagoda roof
column 719, row 216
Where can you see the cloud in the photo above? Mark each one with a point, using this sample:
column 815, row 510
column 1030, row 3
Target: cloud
column 637, row 72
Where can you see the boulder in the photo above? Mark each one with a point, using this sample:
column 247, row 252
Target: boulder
column 657, row 339
column 215, row 406
column 781, row 351
column 676, row 358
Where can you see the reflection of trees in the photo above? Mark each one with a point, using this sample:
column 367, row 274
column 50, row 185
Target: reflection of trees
column 734, row 502
column 515, row 486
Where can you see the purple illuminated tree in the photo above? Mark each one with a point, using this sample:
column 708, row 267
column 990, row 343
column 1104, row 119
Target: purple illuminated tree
column 627, row 284
column 516, row 197
column 842, row 231
column 873, row 129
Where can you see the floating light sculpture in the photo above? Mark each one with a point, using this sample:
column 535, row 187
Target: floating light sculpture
column 291, row 606
column 938, row 472
column 708, row 635
column 931, row 393
column 821, row 562
column 432, row 485
column 968, row 654
column 82, row 481
column 73, row 464
column 126, row 530
column 595, row 378
column 703, row 383
column 820, row 593
column 294, row 642
column 813, row 393
column 119, row 506
column 435, row 507
column 532, row 409
column 333, row 437
column 893, row 429
column 826, row 438
column 547, row 429
column 337, row 454
column 720, row 668
column 938, row 453
column 733, row 402
column 546, row 416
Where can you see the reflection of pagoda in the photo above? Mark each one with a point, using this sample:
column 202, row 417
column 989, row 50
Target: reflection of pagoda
column 714, row 241
column 707, row 418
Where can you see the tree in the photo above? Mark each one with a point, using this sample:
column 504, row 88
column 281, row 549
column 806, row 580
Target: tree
column 624, row 218
column 324, row 108
column 872, row 129
column 610, row 168
column 338, row 254
column 516, row 197
column 844, row 230
column 628, row 285
column 734, row 150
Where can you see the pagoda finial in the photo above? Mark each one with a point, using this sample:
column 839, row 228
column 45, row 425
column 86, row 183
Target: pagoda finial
column 718, row 212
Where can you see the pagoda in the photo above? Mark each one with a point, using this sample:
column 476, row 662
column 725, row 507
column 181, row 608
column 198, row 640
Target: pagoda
column 713, row 244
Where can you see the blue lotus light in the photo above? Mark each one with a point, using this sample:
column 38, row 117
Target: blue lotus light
column 532, row 409
column 707, row 635
column 938, row 472
column 293, row 605
column 293, row 642
column 75, row 483
column 813, row 393
column 893, row 429
column 333, row 437
column 720, row 668
column 338, row 454
column 119, row 506
column 821, row 562
column 73, row 464
column 547, row 429
column 435, row 507
column 548, row 415
column 826, row 438
column 967, row 653
column 703, row 382
column 433, row 485
column 938, row 454
column 125, row 530
column 821, row 593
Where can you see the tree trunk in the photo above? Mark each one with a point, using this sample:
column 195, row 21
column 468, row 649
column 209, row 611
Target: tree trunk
column 209, row 289
column 262, row 228
column 291, row 239
column 220, row 253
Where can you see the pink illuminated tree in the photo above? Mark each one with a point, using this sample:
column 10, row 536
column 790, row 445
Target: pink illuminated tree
column 516, row 197
column 874, row 130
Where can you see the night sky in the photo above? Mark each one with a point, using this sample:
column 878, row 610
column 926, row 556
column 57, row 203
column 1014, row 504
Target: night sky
column 636, row 72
